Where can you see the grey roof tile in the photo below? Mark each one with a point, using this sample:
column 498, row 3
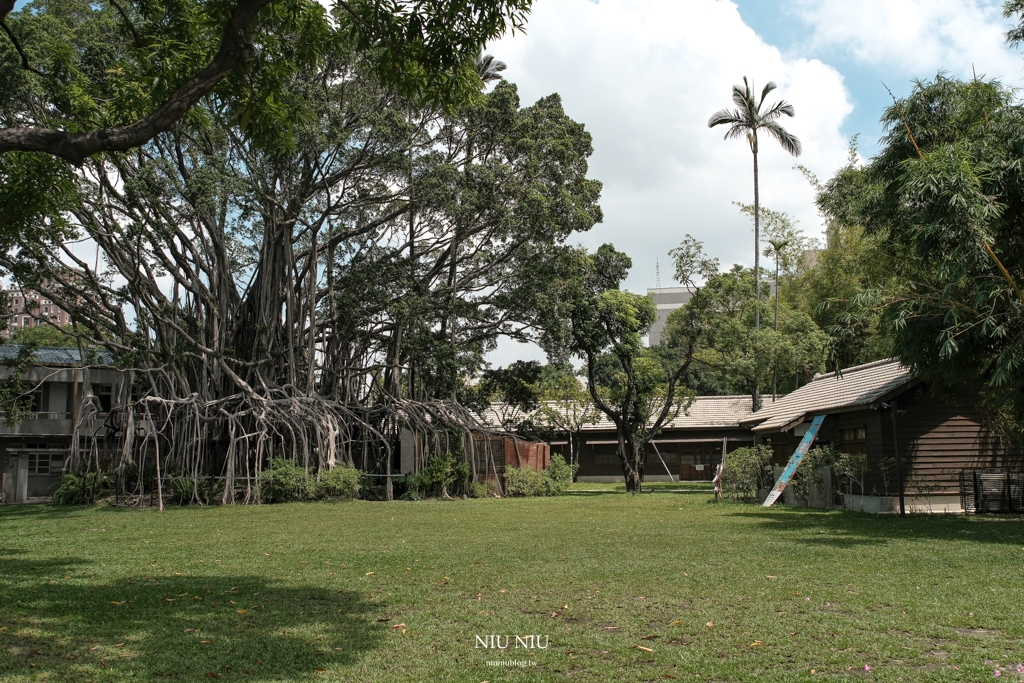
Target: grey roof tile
column 52, row 355
column 706, row 412
column 861, row 385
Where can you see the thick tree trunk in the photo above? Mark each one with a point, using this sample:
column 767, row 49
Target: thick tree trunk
column 632, row 457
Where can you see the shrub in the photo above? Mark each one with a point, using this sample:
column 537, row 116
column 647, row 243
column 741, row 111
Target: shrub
column 442, row 476
column 747, row 470
column 523, row 481
column 558, row 476
column 77, row 489
column 341, row 481
column 477, row 489
column 285, row 481
column 180, row 489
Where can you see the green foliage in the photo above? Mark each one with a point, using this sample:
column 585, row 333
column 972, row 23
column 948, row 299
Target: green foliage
column 15, row 394
column 747, row 470
column 477, row 489
column 523, row 481
column 719, row 319
column 554, row 481
column 558, row 476
column 444, row 475
column 82, row 489
column 341, row 481
column 286, row 482
column 945, row 204
column 46, row 335
column 847, row 469
column 586, row 315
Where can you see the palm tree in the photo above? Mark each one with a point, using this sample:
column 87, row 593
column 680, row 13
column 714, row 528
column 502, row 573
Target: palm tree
column 747, row 120
column 489, row 69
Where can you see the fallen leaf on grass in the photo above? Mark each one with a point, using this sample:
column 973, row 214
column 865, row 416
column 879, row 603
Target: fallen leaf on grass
column 119, row 645
column 368, row 573
column 384, row 619
column 168, row 599
column 767, row 576
column 118, row 602
column 710, row 624
column 650, row 637
column 757, row 643
column 610, row 628
column 554, row 614
column 675, row 623
column 320, row 670
column 205, row 642
column 241, row 611
column 398, row 626
column 645, row 649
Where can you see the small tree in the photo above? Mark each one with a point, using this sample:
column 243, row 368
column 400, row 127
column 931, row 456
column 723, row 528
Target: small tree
column 566, row 406
column 588, row 317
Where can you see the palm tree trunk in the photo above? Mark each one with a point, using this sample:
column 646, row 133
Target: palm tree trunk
column 757, row 270
column 775, row 372
column 757, row 249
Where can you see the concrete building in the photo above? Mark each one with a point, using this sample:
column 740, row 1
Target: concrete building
column 34, row 451
column 667, row 299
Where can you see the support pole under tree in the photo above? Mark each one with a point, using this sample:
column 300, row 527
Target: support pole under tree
column 899, row 459
column 670, row 478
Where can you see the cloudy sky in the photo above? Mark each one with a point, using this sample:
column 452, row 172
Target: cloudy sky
column 645, row 75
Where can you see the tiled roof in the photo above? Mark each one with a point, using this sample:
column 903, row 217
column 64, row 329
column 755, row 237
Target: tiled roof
column 51, row 355
column 706, row 412
column 858, row 386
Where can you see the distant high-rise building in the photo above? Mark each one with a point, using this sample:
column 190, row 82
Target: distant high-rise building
column 667, row 299
column 28, row 307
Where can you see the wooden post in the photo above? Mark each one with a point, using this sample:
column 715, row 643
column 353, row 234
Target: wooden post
column 899, row 459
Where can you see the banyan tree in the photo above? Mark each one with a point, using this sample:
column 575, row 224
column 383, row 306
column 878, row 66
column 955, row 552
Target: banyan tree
column 312, row 299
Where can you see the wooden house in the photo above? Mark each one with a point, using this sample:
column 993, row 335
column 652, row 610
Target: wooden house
column 687, row 449
column 936, row 438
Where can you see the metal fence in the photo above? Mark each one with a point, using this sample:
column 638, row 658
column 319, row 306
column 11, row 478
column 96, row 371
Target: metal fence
column 991, row 491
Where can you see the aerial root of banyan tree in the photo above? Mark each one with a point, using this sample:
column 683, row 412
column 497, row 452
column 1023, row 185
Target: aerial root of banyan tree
column 234, row 439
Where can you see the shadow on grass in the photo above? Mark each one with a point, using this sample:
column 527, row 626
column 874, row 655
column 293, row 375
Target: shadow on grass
column 56, row 623
column 851, row 529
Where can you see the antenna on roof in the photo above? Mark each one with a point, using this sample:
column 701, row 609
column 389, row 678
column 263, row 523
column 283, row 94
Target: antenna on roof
column 657, row 273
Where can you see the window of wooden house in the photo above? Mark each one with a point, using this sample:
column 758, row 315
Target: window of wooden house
column 668, row 454
column 605, row 455
column 854, row 440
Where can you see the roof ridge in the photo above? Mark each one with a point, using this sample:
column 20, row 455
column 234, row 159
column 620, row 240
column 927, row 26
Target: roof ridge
column 855, row 368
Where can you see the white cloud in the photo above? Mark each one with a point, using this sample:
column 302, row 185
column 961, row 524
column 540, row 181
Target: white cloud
column 915, row 37
column 644, row 76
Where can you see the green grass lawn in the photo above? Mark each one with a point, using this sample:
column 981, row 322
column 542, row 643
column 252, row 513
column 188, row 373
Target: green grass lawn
column 397, row 592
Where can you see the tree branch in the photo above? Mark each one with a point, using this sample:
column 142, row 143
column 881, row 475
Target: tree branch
column 76, row 147
column 17, row 46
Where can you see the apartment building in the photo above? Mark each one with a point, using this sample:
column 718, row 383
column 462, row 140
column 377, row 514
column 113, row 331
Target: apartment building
column 28, row 308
